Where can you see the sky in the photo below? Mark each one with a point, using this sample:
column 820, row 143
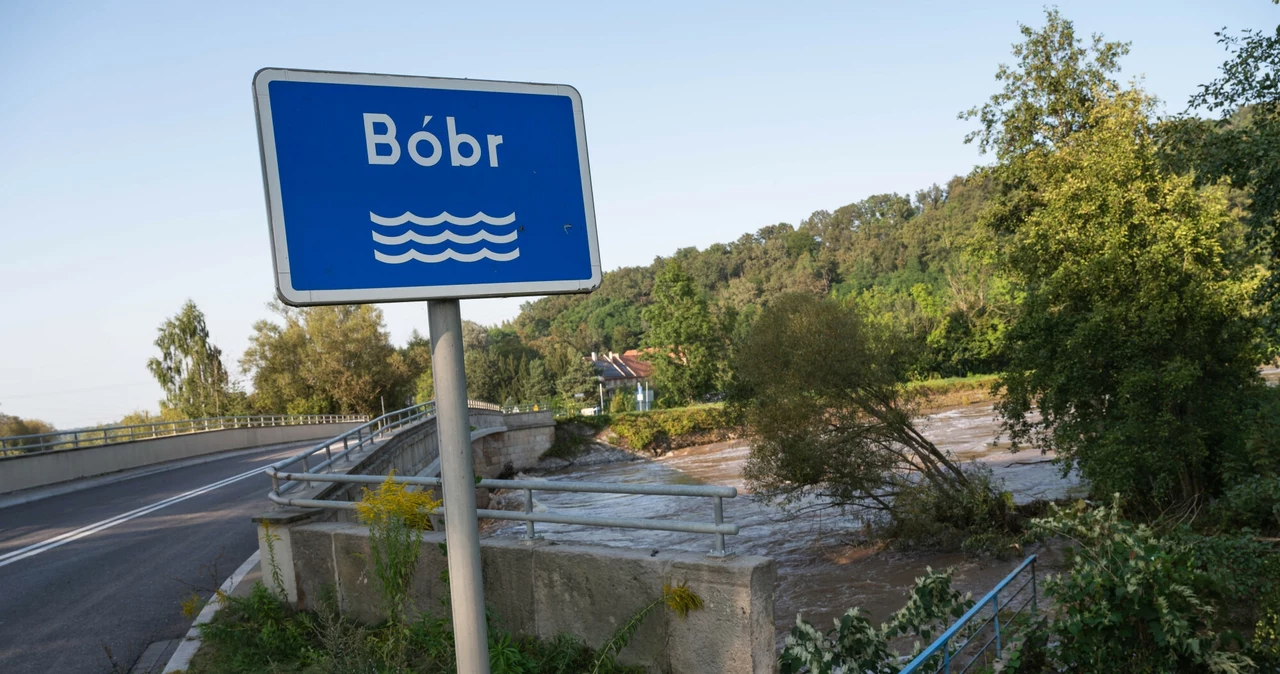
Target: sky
column 130, row 178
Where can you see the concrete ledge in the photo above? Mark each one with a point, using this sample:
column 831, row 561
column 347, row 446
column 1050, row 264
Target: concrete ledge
column 27, row 471
column 546, row 589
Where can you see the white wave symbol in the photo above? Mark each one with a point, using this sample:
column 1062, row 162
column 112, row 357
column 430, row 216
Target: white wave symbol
column 441, row 219
column 441, row 238
column 448, row 254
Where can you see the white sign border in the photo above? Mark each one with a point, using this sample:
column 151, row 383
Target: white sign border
column 275, row 209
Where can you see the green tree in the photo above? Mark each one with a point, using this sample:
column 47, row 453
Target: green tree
column 11, row 425
column 1242, row 147
column 821, row 390
column 332, row 359
column 1050, row 94
column 687, row 344
column 537, row 385
column 190, row 369
column 1132, row 341
column 575, row 378
column 412, row 365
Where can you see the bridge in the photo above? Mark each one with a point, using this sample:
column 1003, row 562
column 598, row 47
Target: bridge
column 104, row 532
column 94, row 567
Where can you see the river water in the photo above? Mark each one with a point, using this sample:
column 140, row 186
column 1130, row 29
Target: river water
column 823, row 567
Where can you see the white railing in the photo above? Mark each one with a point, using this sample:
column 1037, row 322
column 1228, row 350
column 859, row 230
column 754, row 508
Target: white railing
column 283, row 481
column 110, row 435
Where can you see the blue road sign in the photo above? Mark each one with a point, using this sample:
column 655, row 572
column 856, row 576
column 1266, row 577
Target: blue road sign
column 385, row 188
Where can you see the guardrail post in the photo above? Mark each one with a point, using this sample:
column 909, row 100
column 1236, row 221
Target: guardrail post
column 719, row 549
column 305, row 469
column 345, row 451
column 75, row 440
column 529, row 534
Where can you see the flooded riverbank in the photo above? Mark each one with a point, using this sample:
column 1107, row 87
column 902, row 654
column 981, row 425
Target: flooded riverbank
column 822, row 571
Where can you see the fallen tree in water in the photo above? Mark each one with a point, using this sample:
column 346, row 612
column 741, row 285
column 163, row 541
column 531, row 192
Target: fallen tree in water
column 822, row 393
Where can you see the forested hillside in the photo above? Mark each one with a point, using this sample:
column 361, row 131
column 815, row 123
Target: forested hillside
column 915, row 261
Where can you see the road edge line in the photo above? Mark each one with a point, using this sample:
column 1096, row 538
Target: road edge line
column 182, row 655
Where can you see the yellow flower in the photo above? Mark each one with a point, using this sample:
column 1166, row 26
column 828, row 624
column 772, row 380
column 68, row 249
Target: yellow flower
column 391, row 500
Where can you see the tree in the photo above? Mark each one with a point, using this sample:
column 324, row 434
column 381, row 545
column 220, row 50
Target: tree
column 1049, row 95
column 686, row 343
column 11, row 425
column 537, row 385
column 1241, row 148
column 332, row 359
column 822, row 393
column 1132, row 340
column 190, row 368
column 575, row 378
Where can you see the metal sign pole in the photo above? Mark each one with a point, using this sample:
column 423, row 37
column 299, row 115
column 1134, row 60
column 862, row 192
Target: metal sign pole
column 462, row 533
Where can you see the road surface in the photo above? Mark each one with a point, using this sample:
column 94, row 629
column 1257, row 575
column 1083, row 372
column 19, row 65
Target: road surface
column 89, row 579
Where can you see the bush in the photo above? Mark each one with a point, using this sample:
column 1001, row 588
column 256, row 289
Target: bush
column 854, row 645
column 573, row 436
column 1133, row 599
column 660, row 429
column 1254, row 503
column 257, row 629
column 979, row 520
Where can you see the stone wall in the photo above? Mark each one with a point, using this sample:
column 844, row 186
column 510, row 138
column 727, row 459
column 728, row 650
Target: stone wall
column 528, row 435
column 544, row 589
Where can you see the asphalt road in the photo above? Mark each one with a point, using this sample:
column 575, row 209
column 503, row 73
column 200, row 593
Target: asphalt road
column 92, row 600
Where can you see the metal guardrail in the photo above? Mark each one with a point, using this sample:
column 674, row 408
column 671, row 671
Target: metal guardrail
column 352, row 441
column 940, row 656
column 283, row 481
column 110, row 435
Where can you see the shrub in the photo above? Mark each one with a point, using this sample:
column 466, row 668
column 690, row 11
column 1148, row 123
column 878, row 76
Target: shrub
column 1254, row 503
column 1132, row 599
column 979, row 520
column 854, row 645
column 655, row 430
column 257, row 629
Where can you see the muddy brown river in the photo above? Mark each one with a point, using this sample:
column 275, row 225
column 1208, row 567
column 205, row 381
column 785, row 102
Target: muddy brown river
column 821, row 572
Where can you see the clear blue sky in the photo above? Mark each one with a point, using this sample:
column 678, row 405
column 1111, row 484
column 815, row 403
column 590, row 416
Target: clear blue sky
column 130, row 180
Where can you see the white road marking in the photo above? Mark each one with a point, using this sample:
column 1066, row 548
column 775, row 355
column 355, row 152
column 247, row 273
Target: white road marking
column 62, row 539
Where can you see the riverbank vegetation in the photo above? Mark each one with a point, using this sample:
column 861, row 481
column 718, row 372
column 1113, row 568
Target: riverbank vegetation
column 1142, row 260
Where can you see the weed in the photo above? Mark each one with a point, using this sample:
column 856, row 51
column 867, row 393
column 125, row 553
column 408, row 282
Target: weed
column 396, row 518
column 191, row 606
column 679, row 599
column 277, row 579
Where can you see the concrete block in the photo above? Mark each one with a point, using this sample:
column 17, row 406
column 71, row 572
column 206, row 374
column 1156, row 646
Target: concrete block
column 507, row 567
column 357, row 588
column 427, row 591
column 737, row 615
column 591, row 591
column 584, row 591
column 313, row 565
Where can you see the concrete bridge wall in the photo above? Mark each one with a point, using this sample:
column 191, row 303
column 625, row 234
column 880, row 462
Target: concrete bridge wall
column 28, row 471
column 545, row 589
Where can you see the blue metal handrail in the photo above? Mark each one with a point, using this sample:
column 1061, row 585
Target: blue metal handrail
column 942, row 646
